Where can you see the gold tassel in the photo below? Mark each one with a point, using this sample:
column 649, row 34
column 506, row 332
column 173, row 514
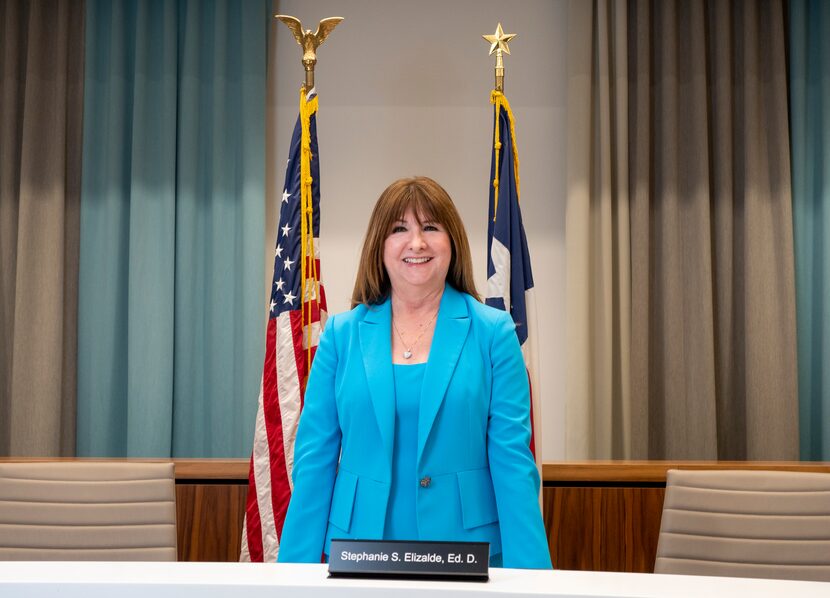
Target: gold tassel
column 497, row 98
column 307, row 257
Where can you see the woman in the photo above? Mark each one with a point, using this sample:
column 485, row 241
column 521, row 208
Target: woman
column 416, row 418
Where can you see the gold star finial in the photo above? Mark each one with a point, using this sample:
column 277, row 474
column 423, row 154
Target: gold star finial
column 498, row 46
column 498, row 41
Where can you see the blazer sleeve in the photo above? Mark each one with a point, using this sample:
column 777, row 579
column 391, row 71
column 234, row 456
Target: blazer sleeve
column 512, row 468
column 316, row 453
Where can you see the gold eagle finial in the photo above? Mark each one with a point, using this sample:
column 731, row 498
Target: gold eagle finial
column 309, row 41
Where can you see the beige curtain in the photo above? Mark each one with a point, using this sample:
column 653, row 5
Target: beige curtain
column 713, row 327
column 41, row 107
column 597, row 233
column 711, row 286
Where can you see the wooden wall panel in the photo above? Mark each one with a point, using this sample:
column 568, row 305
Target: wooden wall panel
column 630, row 528
column 593, row 529
column 209, row 521
column 573, row 523
column 603, row 529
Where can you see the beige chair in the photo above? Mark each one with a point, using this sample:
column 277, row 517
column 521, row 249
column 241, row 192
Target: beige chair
column 770, row 524
column 107, row 511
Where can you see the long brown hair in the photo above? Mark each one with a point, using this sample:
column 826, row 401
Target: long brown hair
column 428, row 201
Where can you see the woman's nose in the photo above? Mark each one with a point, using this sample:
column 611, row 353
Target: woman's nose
column 417, row 241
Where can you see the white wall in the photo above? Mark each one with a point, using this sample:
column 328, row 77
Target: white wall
column 404, row 89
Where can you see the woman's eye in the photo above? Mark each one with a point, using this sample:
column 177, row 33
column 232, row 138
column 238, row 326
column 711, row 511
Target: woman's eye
column 398, row 229
column 430, row 227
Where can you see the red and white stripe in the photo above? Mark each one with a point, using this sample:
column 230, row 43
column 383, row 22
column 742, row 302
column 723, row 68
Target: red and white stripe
column 284, row 375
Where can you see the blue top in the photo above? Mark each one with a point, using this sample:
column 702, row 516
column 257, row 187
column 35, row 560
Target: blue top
column 401, row 516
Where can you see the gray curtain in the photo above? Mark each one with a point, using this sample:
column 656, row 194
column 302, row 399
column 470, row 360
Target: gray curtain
column 713, row 358
column 41, row 107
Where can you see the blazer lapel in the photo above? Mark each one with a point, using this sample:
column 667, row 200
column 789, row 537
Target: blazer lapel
column 376, row 347
column 451, row 330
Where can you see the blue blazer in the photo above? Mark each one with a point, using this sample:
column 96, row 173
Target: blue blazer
column 473, row 435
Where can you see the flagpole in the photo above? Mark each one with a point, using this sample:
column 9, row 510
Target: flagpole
column 498, row 45
column 508, row 260
column 297, row 313
column 309, row 42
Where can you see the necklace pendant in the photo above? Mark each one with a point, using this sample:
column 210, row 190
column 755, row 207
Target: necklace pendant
column 407, row 354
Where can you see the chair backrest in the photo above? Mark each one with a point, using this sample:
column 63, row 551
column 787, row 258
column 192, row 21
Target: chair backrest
column 771, row 524
column 107, row 511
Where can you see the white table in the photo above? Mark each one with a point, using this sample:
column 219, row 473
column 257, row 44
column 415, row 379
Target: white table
column 243, row 580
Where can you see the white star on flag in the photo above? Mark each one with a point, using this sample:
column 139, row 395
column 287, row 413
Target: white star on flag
column 285, row 196
column 289, row 298
column 273, row 304
column 279, row 284
column 278, row 251
column 285, row 230
column 288, row 263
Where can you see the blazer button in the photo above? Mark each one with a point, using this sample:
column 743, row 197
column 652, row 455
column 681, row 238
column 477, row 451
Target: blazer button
column 426, row 481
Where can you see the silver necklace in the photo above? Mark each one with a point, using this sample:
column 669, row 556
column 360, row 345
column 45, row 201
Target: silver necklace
column 407, row 352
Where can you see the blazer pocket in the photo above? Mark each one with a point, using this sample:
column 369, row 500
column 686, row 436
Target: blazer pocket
column 342, row 500
column 478, row 502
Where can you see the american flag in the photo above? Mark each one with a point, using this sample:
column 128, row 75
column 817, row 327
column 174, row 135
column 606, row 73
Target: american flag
column 297, row 312
column 509, row 276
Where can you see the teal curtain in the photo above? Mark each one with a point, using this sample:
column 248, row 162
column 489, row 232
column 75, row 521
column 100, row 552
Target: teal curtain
column 171, row 293
column 810, row 130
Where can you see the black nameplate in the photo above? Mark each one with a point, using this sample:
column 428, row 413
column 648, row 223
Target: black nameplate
column 462, row 561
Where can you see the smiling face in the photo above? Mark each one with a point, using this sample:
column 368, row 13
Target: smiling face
column 394, row 237
column 417, row 254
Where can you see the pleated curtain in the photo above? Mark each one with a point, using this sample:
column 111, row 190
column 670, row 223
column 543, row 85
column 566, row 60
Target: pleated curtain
column 713, row 326
column 598, row 245
column 41, row 107
column 171, row 293
column 809, row 61
column 712, row 346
